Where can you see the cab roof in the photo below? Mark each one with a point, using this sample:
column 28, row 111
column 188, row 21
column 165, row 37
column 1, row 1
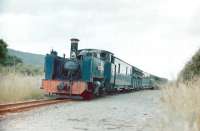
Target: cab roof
column 95, row 50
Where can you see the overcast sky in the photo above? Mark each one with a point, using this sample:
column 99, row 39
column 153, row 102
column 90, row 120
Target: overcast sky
column 158, row 36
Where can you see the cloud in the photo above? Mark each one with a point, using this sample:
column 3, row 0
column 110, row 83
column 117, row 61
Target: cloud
column 158, row 36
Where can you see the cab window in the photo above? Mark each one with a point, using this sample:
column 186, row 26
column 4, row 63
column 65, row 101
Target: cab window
column 89, row 54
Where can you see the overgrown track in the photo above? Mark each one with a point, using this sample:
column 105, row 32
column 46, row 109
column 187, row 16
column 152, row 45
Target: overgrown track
column 17, row 107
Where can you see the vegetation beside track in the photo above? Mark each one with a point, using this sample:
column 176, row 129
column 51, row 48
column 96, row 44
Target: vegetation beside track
column 19, row 87
column 18, row 81
column 181, row 99
column 191, row 69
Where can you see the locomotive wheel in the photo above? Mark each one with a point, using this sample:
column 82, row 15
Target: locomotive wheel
column 87, row 95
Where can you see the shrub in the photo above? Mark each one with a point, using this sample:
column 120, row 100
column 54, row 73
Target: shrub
column 192, row 68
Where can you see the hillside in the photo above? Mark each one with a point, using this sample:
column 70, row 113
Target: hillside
column 28, row 58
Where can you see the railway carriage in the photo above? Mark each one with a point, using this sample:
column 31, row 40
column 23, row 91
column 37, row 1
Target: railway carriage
column 151, row 81
column 88, row 73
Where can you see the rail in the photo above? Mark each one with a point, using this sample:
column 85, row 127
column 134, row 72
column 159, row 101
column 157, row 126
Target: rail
column 21, row 106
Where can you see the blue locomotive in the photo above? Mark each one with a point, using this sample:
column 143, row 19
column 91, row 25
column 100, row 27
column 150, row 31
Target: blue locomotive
column 91, row 72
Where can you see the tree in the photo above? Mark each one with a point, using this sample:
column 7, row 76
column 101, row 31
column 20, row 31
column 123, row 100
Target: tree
column 3, row 49
column 6, row 59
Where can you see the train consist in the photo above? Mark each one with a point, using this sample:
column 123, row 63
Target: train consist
column 92, row 72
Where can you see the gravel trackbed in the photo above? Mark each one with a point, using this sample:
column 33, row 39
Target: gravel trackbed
column 136, row 111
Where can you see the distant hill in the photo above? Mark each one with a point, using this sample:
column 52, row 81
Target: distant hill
column 28, row 58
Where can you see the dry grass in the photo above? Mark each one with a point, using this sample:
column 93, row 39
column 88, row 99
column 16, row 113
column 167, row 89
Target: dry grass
column 18, row 87
column 181, row 102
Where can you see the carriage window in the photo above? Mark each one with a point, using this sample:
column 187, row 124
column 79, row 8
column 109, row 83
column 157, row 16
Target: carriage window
column 103, row 56
column 112, row 59
column 126, row 70
column 119, row 68
column 95, row 54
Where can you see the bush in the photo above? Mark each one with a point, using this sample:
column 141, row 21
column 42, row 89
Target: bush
column 3, row 49
column 10, row 61
column 192, row 68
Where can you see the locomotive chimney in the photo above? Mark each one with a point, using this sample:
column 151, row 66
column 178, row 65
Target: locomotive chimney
column 74, row 48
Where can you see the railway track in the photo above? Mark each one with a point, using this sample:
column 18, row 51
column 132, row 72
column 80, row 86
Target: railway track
column 22, row 106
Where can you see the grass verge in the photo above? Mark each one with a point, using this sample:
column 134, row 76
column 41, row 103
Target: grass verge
column 18, row 87
column 181, row 102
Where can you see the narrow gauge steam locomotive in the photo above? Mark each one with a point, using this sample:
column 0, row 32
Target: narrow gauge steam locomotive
column 91, row 72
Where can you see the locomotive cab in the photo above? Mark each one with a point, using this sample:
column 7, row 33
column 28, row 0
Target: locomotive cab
column 100, row 54
column 95, row 68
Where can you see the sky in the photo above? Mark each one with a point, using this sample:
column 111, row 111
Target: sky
column 157, row 36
